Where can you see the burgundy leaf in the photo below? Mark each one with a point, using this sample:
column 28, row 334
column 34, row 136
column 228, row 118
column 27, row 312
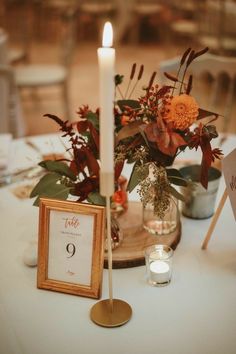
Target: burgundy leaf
column 204, row 113
column 74, row 168
column 206, row 160
column 95, row 135
column 82, row 126
column 88, row 185
column 128, row 131
column 91, row 162
column 118, row 169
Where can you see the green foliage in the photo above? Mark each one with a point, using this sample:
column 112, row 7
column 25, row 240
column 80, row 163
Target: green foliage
column 93, row 118
column 57, row 191
column 118, row 79
column 176, row 194
column 137, row 175
column 128, row 131
column 96, row 198
column 175, row 177
column 130, row 103
column 58, row 167
column 45, row 184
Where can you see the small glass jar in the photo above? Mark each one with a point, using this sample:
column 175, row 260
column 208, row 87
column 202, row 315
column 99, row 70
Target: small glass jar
column 161, row 226
column 159, row 264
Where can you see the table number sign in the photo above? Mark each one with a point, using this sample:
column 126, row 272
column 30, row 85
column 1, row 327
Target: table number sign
column 229, row 172
column 70, row 256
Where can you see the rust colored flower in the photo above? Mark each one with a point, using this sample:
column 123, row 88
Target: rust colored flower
column 120, row 197
column 167, row 140
column 125, row 120
column 181, row 111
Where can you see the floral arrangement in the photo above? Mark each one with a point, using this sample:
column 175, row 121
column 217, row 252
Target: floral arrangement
column 150, row 132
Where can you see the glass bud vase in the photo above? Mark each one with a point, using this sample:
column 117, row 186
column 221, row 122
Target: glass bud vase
column 158, row 226
column 116, row 234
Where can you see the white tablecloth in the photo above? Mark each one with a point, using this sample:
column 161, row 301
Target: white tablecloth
column 195, row 313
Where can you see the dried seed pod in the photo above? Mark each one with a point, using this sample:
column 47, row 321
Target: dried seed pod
column 190, row 85
column 152, row 80
column 140, row 74
column 133, row 71
column 190, row 58
column 186, row 53
column 201, row 52
column 171, row 77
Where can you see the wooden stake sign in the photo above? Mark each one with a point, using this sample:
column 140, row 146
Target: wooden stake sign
column 229, row 172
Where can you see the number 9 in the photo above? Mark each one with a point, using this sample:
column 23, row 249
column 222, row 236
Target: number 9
column 70, row 248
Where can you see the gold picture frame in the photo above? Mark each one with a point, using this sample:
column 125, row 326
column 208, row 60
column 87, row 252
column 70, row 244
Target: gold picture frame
column 71, row 247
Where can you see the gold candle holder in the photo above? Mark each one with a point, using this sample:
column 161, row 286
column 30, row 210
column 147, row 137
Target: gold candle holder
column 109, row 312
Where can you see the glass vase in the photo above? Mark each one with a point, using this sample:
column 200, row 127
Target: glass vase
column 158, row 226
column 116, row 234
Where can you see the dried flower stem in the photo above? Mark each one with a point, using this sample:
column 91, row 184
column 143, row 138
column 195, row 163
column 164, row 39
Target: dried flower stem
column 131, row 78
column 140, row 74
column 121, row 94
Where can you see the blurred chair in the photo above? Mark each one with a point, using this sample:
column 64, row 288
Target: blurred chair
column 215, row 66
column 217, row 28
column 93, row 15
column 15, row 19
column 186, row 16
column 145, row 14
column 34, row 76
column 11, row 120
column 206, row 22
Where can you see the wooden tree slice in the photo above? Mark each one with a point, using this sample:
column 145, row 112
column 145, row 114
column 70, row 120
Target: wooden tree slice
column 135, row 239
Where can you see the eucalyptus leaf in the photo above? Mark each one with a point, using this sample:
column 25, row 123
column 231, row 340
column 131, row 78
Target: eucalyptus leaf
column 57, row 191
column 178, row 181
column 96, row 198
column 45, row 183
column 143, row 135
column 128, row 131
column 93, row 118
column 135, row 178
column 175, row 177
column 130, row 103
column 176, row 194
column 58, row 167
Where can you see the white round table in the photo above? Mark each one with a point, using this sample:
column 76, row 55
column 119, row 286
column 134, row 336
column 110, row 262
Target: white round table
column 195, row 313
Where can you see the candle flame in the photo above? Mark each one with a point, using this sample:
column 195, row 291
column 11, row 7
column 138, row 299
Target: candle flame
column 107, row 38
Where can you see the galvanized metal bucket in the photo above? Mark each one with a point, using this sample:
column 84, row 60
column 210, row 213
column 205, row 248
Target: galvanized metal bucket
column 199, row 202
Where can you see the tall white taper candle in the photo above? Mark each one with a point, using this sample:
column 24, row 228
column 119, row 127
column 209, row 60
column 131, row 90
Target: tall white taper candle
column 106, row 61
column 110, row 312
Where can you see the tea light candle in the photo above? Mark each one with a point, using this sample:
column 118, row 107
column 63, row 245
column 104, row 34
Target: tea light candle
column 160, row 271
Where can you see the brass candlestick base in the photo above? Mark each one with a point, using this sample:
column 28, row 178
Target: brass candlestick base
column 105, row 314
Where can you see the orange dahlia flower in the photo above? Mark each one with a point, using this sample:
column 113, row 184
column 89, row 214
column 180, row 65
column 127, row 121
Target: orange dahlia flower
column 181, row 111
